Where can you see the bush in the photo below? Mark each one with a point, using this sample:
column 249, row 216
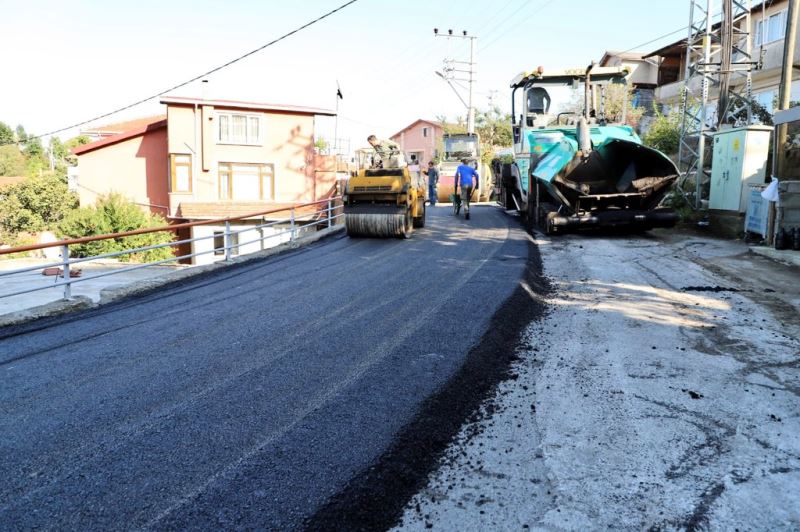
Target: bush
column 115, row 214
column 12, row 162
column 664, row 133
column 35, row 204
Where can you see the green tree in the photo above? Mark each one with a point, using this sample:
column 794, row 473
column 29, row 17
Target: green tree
column 321, row 145
column 6, row 134
column 617, row 96
column 12, row 162
column 664, row 133
column 74, row 142
column 33, row 148
column 58, row 149
column 22, row 137
column 494, row 127
column 35, row 204
column 115, row 214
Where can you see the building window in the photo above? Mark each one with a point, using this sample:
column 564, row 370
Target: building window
column 775, row 28
column 235, row 128
column 219, row 243
column 425, row 132
column 243, row 182
column 180, row 172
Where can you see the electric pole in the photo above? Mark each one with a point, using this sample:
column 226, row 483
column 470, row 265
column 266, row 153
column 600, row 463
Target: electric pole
column 788, row 56
column 785, row 94
column 448, row 75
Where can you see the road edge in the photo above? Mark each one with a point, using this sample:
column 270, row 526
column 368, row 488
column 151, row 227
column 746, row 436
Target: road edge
column 376, row 498
column 111, row 295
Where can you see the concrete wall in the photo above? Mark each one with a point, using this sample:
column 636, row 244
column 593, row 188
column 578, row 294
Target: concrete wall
column 326, row 168
column 272, row 236
column 136, row 168
column 286, row 142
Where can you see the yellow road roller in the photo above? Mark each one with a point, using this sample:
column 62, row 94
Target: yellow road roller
column 384, row 202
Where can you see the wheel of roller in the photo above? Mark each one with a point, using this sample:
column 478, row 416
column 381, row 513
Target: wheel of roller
column 420, row 222
column 408, row 225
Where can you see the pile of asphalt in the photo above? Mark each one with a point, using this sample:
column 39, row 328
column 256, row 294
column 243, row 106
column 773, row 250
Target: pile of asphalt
column 375, row 499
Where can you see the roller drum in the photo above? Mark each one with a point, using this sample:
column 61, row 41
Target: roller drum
column 380, row 223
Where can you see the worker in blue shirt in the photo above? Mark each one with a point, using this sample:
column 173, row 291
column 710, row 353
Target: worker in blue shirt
column 467, row 177
column 433, row 180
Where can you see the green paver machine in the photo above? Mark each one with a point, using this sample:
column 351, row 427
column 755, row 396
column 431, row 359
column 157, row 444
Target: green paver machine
column 580, row 170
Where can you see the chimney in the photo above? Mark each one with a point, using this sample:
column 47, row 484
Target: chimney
column 204, row 89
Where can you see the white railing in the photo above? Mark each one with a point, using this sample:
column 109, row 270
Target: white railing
column 325, row 212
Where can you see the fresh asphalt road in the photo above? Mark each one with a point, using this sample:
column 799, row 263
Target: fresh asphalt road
column 248, row 397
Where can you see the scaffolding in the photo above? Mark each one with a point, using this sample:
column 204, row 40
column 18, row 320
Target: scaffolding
column 719, row 58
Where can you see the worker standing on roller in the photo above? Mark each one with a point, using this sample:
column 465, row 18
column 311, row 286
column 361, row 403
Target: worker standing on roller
column 387, row 151
column 465, row 174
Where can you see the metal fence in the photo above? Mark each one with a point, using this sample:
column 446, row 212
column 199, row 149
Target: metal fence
column 323, row 213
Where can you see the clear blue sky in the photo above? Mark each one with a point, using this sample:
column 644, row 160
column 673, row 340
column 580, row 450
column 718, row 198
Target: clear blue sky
column 68, row 61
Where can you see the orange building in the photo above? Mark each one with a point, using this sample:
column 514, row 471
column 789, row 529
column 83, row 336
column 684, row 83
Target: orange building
column 209, row 159
column 421, row 139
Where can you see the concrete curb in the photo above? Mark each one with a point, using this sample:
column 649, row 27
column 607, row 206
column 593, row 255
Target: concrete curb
column 109, row 295
column 788, row 257
column 54, row 308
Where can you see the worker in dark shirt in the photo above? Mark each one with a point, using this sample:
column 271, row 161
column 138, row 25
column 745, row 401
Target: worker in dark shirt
column 433, row 181
column 466, row 177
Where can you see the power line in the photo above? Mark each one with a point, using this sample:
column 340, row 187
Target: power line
column 508, row 31
column 656, row 39
column 200, row 76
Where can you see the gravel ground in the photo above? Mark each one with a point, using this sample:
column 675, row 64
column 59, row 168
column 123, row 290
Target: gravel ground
column 660, row 392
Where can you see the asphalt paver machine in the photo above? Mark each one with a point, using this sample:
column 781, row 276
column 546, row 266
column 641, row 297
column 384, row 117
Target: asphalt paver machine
column 577, row 170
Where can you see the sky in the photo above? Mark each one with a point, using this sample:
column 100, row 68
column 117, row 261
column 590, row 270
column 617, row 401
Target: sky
column 66, row 62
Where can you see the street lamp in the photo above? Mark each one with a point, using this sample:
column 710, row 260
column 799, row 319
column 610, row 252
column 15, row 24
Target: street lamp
column 452, row 87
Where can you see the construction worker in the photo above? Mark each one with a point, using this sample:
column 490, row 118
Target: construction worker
column 433, row 181
column 468, row 178
column 387, row 151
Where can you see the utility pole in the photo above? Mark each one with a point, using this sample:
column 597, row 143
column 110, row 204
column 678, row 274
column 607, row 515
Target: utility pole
column 788, row 56
column 449, row 77
column 785, row 92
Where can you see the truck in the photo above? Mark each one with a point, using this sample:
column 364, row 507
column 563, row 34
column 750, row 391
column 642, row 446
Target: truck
column 575, row 170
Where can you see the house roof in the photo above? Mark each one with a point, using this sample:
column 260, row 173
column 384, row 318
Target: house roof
column 625, row 56
column 234, row 104
column 679, row 47
column 122, row 127
column 132, row 133
column 414, row 123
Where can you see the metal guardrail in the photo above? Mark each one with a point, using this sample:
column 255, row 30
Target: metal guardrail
column 296, row 221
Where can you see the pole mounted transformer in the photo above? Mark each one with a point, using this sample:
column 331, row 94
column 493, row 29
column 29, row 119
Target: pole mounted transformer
column 450, row 68
column 719, row 59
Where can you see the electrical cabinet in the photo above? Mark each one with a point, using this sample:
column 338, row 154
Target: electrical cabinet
column 740, row 160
